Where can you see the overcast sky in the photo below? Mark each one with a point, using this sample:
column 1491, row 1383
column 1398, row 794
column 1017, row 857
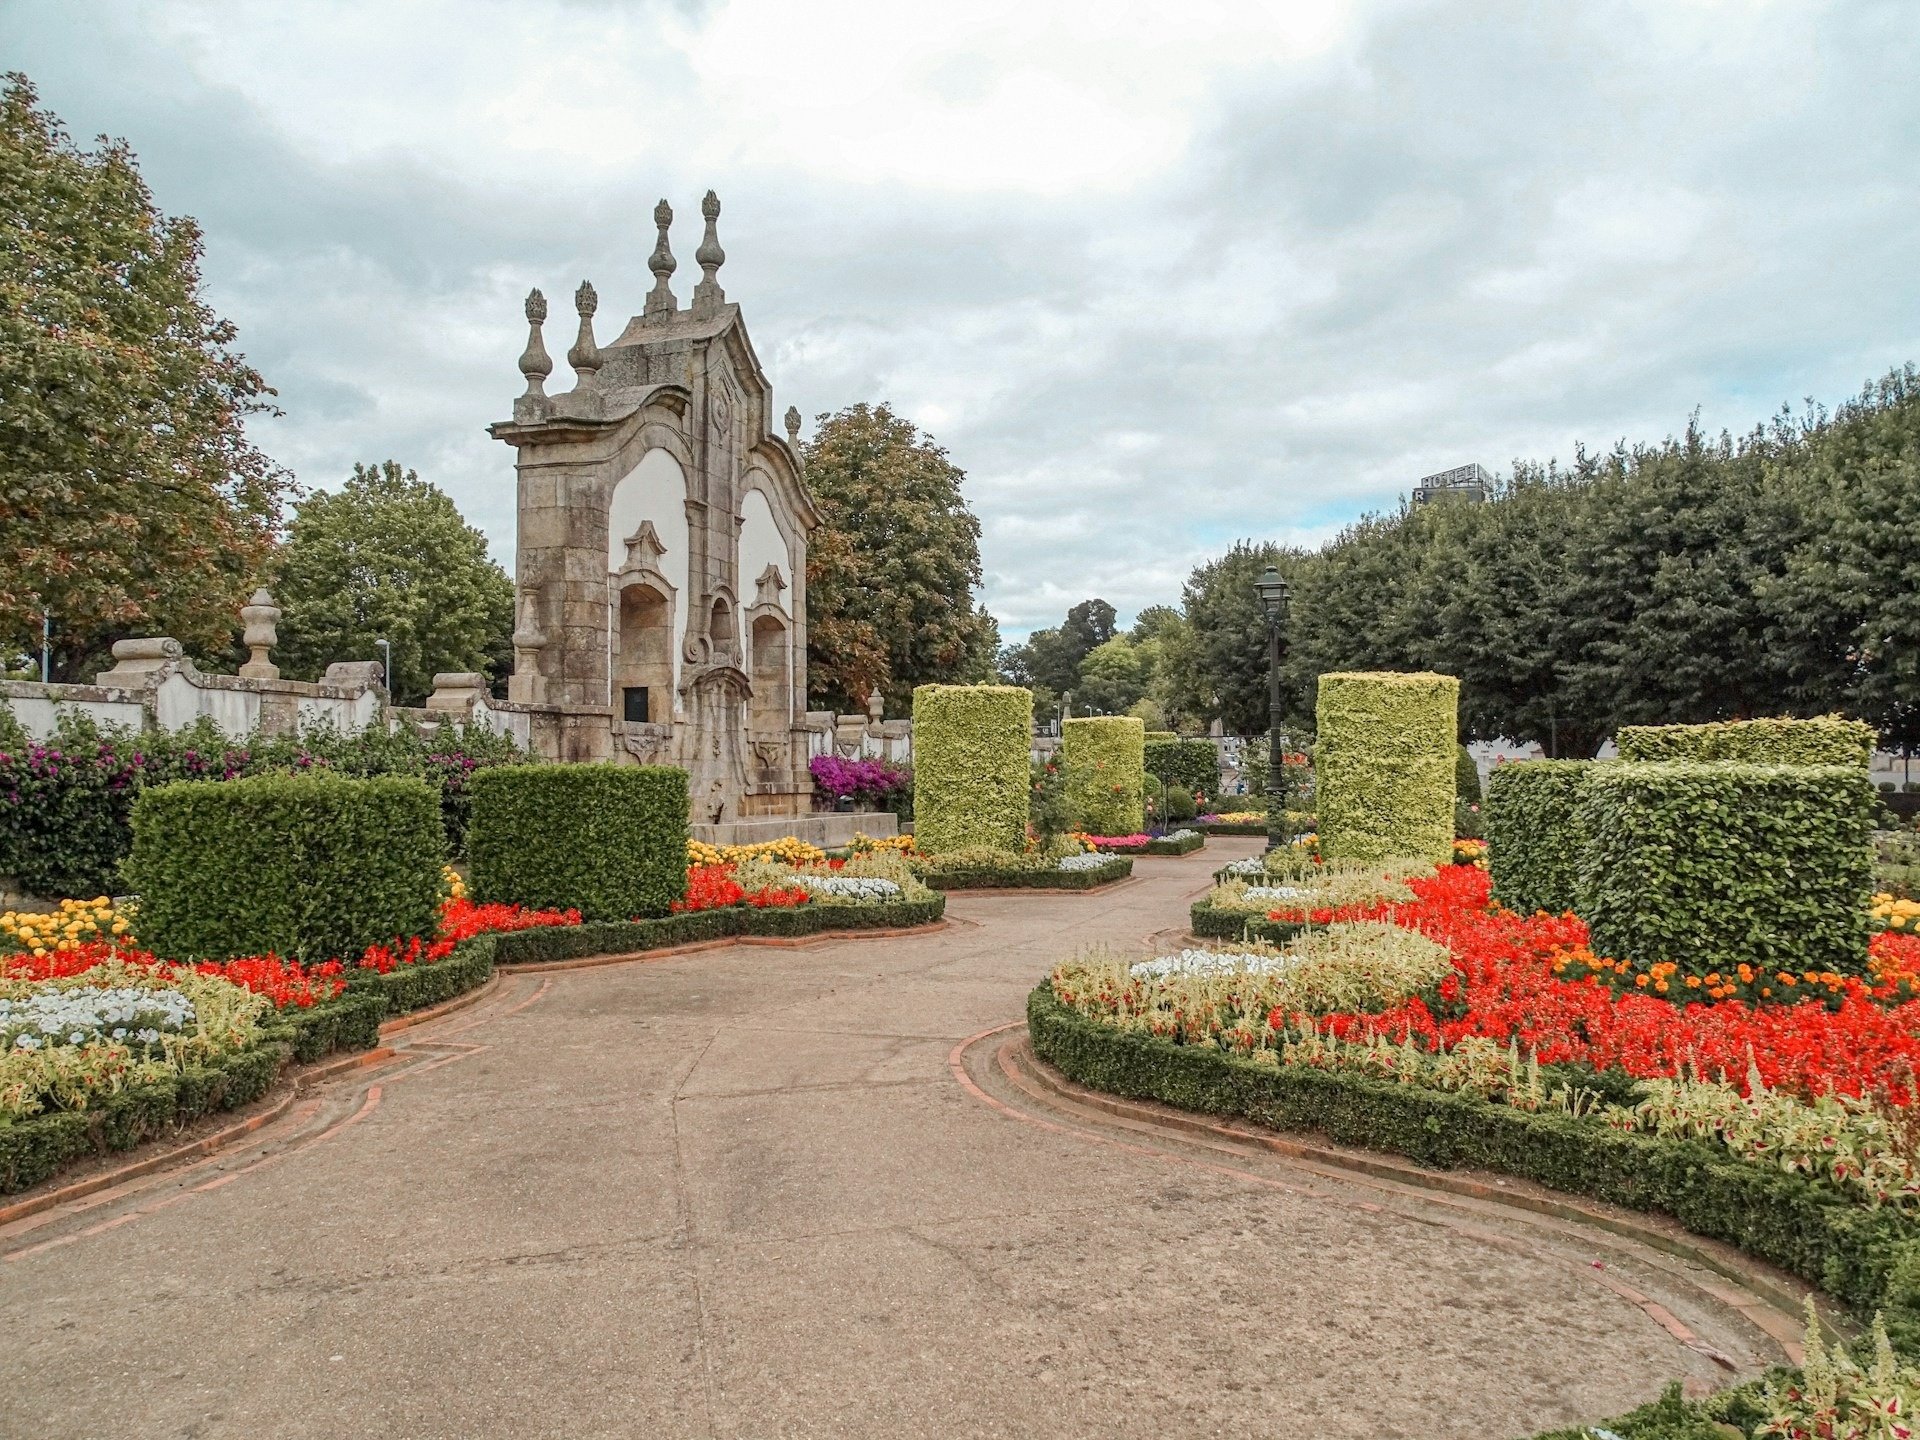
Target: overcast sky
column 1156, row 275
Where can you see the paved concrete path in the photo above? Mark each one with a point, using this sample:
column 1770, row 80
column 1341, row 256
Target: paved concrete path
column 742, row 1193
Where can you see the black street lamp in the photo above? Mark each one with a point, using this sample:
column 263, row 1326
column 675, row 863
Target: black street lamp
column 1272, row 590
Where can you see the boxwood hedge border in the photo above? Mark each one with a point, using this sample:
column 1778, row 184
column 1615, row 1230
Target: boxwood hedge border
column 1867, row 1258
column 1212, row 922
column 550, row 943
column 1161, row 845
column 1229, row 827
column 1119, row 868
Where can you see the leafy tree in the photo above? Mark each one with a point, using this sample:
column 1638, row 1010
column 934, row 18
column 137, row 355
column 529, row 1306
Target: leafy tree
column 388, row 556
column 1116, row 674
column 903, row 586
column 1229, row 636
column 130, row 498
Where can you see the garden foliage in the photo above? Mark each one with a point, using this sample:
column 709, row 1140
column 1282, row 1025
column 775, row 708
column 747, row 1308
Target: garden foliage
column 1534, row 833
column 1826, row 740
column 1105, row 773
column 1189, row 765
column 66, row 806
column 1385, row 763
column 307, row 867
column 971, row 773
column 607, row 840
column 1711, row 866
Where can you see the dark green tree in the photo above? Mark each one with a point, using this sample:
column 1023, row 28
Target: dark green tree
column 130, row 499
column 388, row 556
column 891, row 501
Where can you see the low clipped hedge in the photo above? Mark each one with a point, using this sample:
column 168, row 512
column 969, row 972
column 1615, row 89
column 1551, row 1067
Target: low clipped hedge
column 307, row 867
column 1210, row 922
column 1190, row 765
column 1162, row 845
column 1712, row 865
column 607, row 840
column 1869, row 1258
column 1106, row 777
column 1535, row 833
column 1119, row 867
column 1231, row 827
column 972, row 772
column 578, row 942
column 1826, row 740
column 1384, row 765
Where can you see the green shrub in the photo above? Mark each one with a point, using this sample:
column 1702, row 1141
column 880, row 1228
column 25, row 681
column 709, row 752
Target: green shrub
column 1466, row 778
column 1385, row 765
column 308, row 867
column 607, row 840
column 1180, row 804
column 971, row 775
column 1828, row 740
column 1192, row 766
column 1105, row 777
column 1710, row 865
column 1534, row 833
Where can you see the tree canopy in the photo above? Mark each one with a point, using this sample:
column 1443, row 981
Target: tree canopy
column 131, row 501
column 893, row 567
column 388, row 556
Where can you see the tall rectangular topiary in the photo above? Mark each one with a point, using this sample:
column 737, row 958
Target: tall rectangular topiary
column 1534, row 835
column 1190, row 765
column 1713, row 865
column 311, row 867
column 1106, row 773
column 1384, row 765
column 607, row 840
column 1825, row 740
column 971, row 775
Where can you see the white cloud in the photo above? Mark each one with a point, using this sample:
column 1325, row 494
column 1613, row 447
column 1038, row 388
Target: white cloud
column 1154, row 277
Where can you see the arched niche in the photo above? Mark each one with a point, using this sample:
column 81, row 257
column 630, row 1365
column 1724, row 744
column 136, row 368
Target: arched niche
column 643, row 653
column 647, row 540
column 762, row 542
column 770, row 667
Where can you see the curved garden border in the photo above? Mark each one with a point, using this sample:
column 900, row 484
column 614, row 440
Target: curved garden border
column 1869, row 1259
column 550, row 943
column 1160, row 845
column 1118, row 868
column 1210, row 922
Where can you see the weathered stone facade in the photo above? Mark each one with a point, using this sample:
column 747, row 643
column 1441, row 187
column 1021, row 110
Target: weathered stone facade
column 662, row 549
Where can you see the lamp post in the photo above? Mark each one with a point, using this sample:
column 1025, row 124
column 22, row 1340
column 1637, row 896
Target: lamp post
column 386, row 664
column 1272, row 590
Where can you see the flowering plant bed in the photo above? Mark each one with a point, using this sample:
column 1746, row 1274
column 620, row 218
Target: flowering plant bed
column 1784, row 1128
column 580, row 942
column 1072, row 872
column 1176, row 842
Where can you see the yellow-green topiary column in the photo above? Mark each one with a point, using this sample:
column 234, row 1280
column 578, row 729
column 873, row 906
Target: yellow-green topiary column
column 1105, row 756
column 971, row 771
column 1384, row 765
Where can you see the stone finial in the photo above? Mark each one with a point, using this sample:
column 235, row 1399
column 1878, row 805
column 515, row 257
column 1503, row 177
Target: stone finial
column 260, row 615
column 584, row 357
column 793, row 426
column 660, row 299
column 876, row 706
column 535, row 363
column 707, row 295
column 768, row 587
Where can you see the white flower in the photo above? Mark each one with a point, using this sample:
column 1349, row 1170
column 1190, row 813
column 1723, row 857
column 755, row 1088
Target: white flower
column 1085, row 862
column 1274, row 892
column 851, row 887
column 1212, row 962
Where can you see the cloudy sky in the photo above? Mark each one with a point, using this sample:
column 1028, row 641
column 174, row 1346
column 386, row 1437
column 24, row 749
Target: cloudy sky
column 1157, row 276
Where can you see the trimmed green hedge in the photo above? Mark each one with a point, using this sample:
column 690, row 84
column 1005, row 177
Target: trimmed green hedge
column 308, row 867
column 607, row 840
column 1466, row 778
column 1190, row 765
column 1118, row 868
column 1828, row 740
column 1535, row 833
column 1106, row 778
column 1235, row 827
column 1711, row 865
column 1384, row 765
column 578, row 942
column 1165, row 845
column 971, row 766
column 1210, row 923
column 38, row 1146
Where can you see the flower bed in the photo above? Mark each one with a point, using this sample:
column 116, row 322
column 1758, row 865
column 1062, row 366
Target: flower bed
column 1787, row 1129
column 987, row 869
column 1176, row 842
column 1275, row 897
